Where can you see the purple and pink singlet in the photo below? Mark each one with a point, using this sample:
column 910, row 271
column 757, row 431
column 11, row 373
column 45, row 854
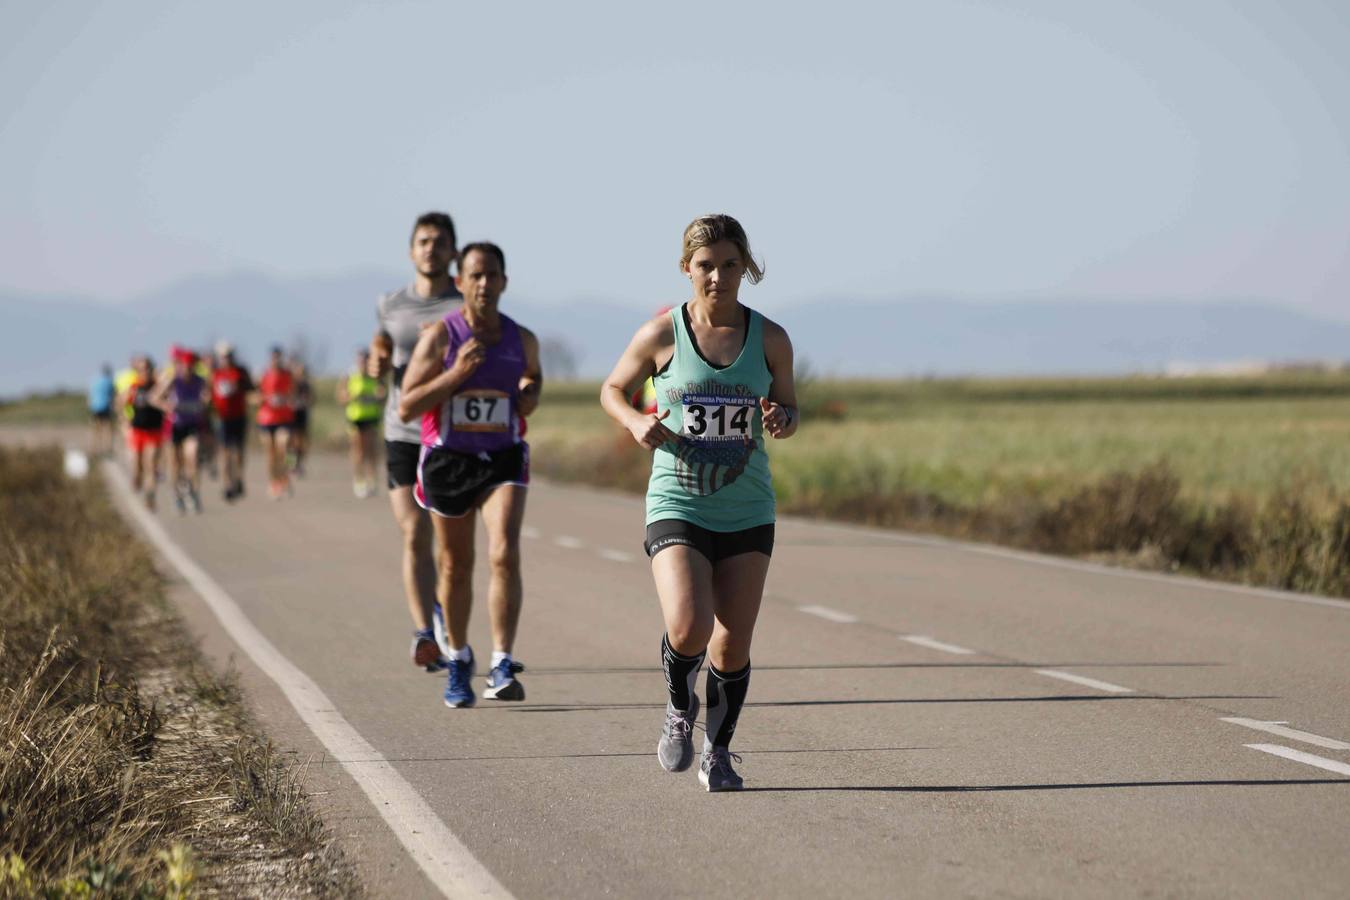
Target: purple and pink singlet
column 481, row 416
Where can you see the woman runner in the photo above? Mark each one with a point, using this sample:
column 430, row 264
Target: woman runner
column 723, row 377
column 145, row 434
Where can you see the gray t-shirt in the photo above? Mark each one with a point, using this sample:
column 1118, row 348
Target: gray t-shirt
column 402, row 313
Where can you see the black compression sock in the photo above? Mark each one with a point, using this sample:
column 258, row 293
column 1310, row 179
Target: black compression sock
column 681, row 673
column 726, row 696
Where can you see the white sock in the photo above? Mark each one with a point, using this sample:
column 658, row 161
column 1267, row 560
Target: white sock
column 461, row 654
column 498, row 656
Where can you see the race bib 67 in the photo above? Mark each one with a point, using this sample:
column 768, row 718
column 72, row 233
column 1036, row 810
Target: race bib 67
column 480, row 410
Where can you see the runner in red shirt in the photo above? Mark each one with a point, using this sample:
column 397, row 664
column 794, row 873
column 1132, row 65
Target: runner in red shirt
column 230, row 387
column 145, row 436
column 276, row 415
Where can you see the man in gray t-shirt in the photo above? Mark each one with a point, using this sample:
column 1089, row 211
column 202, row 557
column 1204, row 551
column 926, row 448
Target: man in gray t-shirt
column 402, row 315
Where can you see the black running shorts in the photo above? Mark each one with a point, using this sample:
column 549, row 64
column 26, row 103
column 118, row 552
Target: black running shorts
column 183, row 432
column 400, row 462
column 451, row 484
column 714, row 545
column 232, row 431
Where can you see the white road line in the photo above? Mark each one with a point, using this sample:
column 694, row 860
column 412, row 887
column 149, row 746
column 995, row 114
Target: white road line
column 530, row 532
column 1085, row 682
column 566, row 540
column 1308, row 759
column 1277, row 728
column 447, row 863
column 832, row 615
column 615, row 555
column 924, row 640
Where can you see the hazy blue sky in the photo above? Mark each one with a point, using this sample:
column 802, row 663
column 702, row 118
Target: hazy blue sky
column 981, row 150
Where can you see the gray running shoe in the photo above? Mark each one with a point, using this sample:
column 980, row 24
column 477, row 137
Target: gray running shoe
column 716, row 773
column 675, row 751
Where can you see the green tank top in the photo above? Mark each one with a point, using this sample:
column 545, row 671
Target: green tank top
column 717, row 475
column 363, row 399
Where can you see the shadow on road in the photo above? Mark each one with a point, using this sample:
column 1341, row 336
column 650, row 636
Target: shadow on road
column 643, row 754
column 1058, row 698
column 638, row 670
column 1101, row 785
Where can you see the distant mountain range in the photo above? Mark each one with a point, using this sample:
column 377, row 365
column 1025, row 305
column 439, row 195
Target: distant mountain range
column 50, row 341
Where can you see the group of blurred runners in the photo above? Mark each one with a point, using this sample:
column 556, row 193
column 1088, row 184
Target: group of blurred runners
column 198, row 406
column 449, row 379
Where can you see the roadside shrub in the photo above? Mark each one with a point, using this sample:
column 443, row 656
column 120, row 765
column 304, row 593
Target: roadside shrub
column 1121, row 513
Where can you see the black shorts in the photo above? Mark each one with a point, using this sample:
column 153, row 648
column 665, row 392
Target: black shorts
column 714, row 545
column 301, row 421
column 232, row 431
column 275, row 427
column 183, row 432
column 364, row 426
column 400, row 463
column 101, row 415
column 451, row 484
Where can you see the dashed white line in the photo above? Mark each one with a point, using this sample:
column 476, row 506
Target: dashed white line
column 1308, row 759
column 446, row 861
column 924, row 640
column 1084, row 681
column 566, row 540
column 530, row 533
column 915, row 540
column 832, row 615
column 1277, row 728
column 615, row 555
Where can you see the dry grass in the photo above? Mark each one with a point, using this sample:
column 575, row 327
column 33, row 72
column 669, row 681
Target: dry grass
column 125, row 768
column 1245, row 480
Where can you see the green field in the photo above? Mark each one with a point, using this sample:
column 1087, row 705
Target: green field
column 980, row 442
column 1245, row 478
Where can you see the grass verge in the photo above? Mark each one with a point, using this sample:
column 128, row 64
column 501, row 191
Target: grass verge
column 1237, row 480
column 126, row 767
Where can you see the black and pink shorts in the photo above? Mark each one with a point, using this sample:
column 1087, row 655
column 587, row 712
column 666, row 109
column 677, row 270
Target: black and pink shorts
column 451, row 484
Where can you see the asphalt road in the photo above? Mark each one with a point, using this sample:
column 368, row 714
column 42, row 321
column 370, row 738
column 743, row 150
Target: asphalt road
column 918, row 722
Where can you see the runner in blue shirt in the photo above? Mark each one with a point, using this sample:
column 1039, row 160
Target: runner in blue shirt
column 102, row 392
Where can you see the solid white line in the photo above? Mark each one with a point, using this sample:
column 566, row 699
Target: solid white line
column 1293, row 734
column 566, row 540
column 529, row 532
column 1307, row 759
column 832, row 615
column 924, row 640
column 447, row 863
column 1085, row 682
column 616, row 555
column 1055, row 562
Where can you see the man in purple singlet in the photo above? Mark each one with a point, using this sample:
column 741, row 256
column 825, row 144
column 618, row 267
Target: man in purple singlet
column 470, row 380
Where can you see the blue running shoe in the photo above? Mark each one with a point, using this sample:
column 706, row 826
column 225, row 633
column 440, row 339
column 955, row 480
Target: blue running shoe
column 502, row 683
column 458, row 687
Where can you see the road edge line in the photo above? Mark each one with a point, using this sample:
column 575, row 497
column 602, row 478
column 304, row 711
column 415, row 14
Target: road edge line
column 440, row 855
